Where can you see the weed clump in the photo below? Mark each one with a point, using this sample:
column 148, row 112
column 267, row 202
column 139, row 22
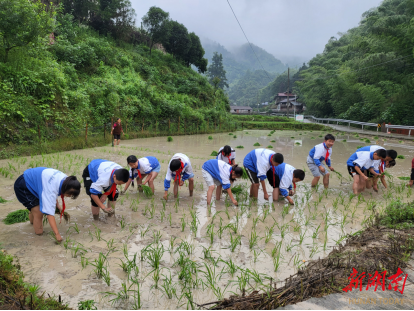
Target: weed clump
column 235, row 136
column 210, row 137
column 344, row 140
column 240, row 147
column 237, row 189
column 256, row 144
column 400, row 156
column 270, row 147
column 359, row 147
column 21, row 215
column 273, row 141
column 169, row 138
column 214, row 154
column 367, row 141
column 230, row 133
column 2, row 200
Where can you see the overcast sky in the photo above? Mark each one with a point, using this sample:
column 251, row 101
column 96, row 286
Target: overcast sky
column 285, row 28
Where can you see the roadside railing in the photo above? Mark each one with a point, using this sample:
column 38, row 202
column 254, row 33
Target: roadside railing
column 349, row 122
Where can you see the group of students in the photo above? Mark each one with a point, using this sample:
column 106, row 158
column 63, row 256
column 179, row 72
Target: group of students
column 38, row 189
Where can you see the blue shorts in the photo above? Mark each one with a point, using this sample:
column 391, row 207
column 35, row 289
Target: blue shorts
column 187, row 176
column 157, row 169
column 23, row 194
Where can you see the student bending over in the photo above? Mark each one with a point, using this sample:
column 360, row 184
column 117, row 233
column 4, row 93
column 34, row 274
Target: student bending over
column 38, row 189
column 221, row 174
column 103, row 176
column 317, row 155
column 180, row 170
column 284, row 176
column 361, row 161
column 144, row 167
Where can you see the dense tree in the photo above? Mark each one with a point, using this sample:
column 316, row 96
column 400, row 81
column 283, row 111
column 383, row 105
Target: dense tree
column 216, row 71
column 178, row 43
column 156, row 23
column 82, row 10
column 23, row 22
column 367, row 73
column 195, row 54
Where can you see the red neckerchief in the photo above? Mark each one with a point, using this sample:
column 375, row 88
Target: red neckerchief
column 139, row 173
column 178, row 173
column 382, row 165
column 63, row 206
column 228, row 157
column 327, row 152
column 294, row 186
column 113, row 188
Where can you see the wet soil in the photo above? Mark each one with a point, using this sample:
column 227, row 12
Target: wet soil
column 319, row 220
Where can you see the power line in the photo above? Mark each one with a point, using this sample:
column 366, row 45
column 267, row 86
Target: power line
column 248, row 41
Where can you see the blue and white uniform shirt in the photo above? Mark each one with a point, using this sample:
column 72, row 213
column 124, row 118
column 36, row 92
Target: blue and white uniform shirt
column 145, row 166
column 259, row 161
column 377, row 163
column 186, row 173
column 100, row 172
column 362, row 159
column 221, row 157
column 285, row 173
column 219, row 170
column 45, row 184
column 318, row 154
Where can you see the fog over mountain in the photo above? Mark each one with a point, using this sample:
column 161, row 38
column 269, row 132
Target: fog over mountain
column 292, row 30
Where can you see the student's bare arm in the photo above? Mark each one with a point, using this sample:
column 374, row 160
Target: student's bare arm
column 231, row 196
column 266, row 196
column 52, row 223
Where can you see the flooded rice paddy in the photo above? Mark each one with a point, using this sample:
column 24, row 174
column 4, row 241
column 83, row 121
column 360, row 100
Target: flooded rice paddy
column 157, row 255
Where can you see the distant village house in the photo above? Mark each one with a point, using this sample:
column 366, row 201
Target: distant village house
column 241, row 109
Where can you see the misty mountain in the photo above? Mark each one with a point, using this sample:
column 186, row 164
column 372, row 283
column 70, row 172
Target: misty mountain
column 245, row 91
column 241, row 59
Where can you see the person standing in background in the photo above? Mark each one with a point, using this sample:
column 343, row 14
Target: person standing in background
column 116, row 131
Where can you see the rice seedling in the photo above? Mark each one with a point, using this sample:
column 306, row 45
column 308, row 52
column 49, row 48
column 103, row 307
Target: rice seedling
column 400, row 141
column 237, row 189
column 358, row 147
column 400, row 156
column 194, row 220
column 273, row 141
column 97, row 233
column 234, row 242
column 123, row 294
column 240, row 147
column 210, row 137
column 242, row 280
column 157, row 236
column 144, row 232
column 84, row 262
column 162, row 215
column 168, row 287
column 77, row 249
column 269, row 233
column 147, row 191
column 316, row 232
column 253, row 239
column 269, row 146
column 75, row 227
column 154, row 255
column 255, row 220
column 170, row 219
column 301, row 237
column 169, row 139
column 122, row 223
column 213, row 154
column 100, row 265
column 256, row 144
column 4, row 201
column 21, row 215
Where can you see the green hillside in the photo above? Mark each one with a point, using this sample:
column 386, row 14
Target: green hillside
column 52, row 88
column 366, row 74
column 245, row 92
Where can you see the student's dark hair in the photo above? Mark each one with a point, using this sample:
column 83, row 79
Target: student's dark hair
column 299, row 174
column 118, row 119
column 175, row 165
column 329, row 137
column 278, row 158
column 132, row 159
column 122, row 174
column 382, row 153
column 226, row 150
column 392, row 153
column 238, row 171
column 71, row 186
column 392, row 163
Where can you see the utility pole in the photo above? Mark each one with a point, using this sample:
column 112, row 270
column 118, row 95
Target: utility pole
column 288, row 92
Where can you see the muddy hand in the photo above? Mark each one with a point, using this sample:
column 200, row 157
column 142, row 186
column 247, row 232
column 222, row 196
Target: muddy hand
column 235, row 202
column 59, row 238
column 108, row 210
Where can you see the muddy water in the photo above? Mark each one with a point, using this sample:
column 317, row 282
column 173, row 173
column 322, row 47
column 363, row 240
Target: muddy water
column 305, row 231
